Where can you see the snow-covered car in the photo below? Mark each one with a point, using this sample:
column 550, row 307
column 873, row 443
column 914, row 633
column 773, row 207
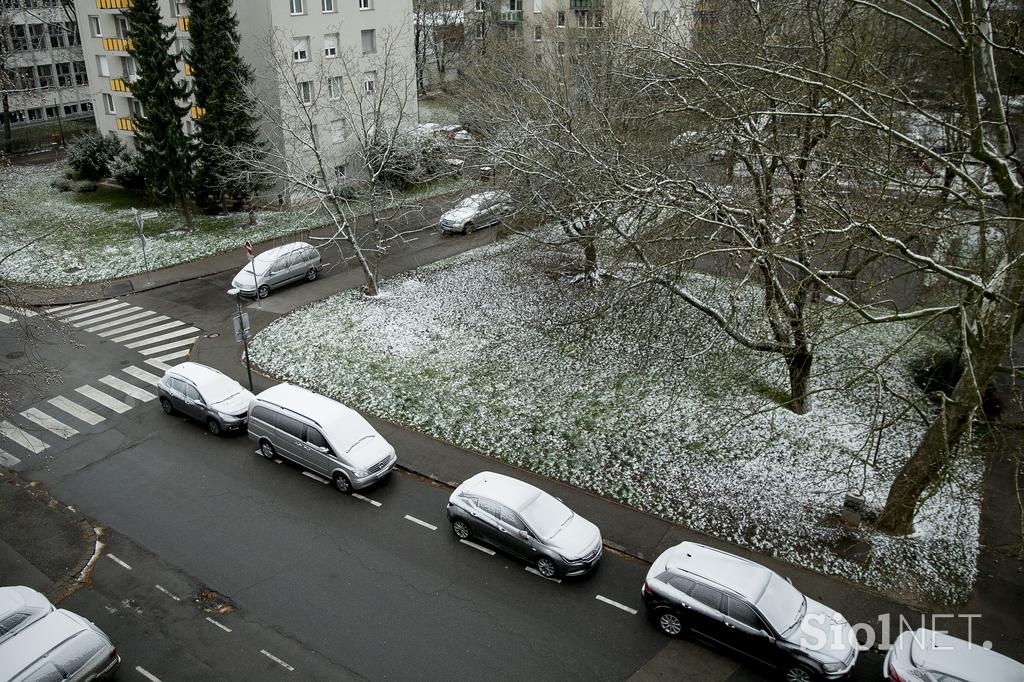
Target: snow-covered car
column 937, row 657
column 750, row 609
column 526, row 522
column 278, row 266
column 476, row 211
column 19, row 608
column 206, row 395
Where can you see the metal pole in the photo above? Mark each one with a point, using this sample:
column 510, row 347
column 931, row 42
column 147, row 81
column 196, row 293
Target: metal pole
column 60, row 123
column 255, row 282
column 245, row 341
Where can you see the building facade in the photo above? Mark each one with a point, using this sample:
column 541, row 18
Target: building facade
column 45, row 75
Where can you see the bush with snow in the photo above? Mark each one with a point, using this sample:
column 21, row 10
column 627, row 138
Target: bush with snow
column 91, row 155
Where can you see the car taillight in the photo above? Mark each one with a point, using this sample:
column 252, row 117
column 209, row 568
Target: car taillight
column 321, row 259
column 113, row 653
column 647, row 588
column 895, row 676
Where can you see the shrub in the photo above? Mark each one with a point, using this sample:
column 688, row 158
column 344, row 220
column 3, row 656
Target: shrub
column 84, row 186
column 941, row 371
column 64, row 184
column 90, row 155
column 126, row 171
column 412, row 158
column 346, row 189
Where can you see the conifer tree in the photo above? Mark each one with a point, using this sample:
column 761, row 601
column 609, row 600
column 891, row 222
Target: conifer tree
column 166, row 152
column 221, row 82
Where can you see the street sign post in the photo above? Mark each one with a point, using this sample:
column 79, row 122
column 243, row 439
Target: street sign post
column 255, row 281
column 241, row 325
column 140, row 223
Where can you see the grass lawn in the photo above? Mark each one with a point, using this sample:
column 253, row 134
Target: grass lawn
column 655, row 413
column 73, row 238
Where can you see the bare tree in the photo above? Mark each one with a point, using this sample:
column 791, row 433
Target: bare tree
column 438, row 40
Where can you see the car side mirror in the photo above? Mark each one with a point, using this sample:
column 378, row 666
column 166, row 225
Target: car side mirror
column 323, row 450
column 768, row 636
column 524, row 534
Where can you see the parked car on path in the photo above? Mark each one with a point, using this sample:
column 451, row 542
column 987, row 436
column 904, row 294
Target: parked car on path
column 526, row 522
column 277, row 267
column 40, row 642
column 321, row 435
column 748, row 609
column 206, row 395
column 476, row 211
column 929, row 656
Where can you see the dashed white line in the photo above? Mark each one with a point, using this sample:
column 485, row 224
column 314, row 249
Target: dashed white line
column 375, row 503
column 52, row 425
column 117, row 314
column 167, row 592
column 22, row 438
column 277, row 660
column 149, row 341
column 128, row 389
column 225, row 628
column 145, row 673
column 422, row 523
column 142, row 375
column 531, row 569
column 108, row 401
column 76, row 410
column 118, row 561
column 485, row 550
column 616, row 604
column 318, row 479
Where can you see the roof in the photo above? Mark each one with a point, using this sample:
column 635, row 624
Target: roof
column 198, row 373
column 511, row 492
column 728, row 570
column 278, row 251
column 25, row 648
column 342, row 425
column 17, row 597
column 945, row 654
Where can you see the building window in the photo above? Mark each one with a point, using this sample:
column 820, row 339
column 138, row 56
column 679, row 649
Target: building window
column 581, row 19
column 560, row 20
column 35, row 34
column 305, row 91
column 538, row 59
column 19, row 42
column 81, row 76
column 108, row 103
column 536, row 34
column 365, row 4
column 481, row 30
column 369, row 81
column 51, row 112
column 103, row 65
column 45, row 72
column 64, row 75
column 481, row 5
column 71, row 31
column 561, row 48
column 369, row 41
column 72, row 109
column 334, row 87
column 94, row 27
column 86, row 106
column 331, row 45
column 56, row 35
column 121, row 27
column 35, row 114
column 26, row 76
column 129, row 67
column 300, row 50
column 180, row 9
column 297, row 6
column 327, row 5
column 536, row 6
column 339, row 133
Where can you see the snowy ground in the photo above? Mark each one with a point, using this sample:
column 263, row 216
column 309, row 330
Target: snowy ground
column 74, row 238
column 475, row 351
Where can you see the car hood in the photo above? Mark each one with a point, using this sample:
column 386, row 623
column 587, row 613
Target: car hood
column 368, row 452
column 942, row 653
column 458, row 215
column 575, row 539
column 244, row 278
column 825, row 634
column 235, row 404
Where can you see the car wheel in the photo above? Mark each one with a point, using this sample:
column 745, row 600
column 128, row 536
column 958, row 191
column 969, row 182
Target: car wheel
column 166, row 404
column 263, row 291
column 267, row 449
column 798, row 673
column 670, row 623
column 311, row 274
column 547, row 568
column 461, row 529
column 467, row 228
column 214, row 426
column 342, row 483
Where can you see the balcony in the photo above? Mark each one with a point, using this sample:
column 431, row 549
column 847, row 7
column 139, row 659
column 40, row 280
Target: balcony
column 183, row 24
column 514, row 16
column 117, row 44
column 126, row 124
column 119, row 85
column 113, row 4
column 585, row 4
column 198, row 112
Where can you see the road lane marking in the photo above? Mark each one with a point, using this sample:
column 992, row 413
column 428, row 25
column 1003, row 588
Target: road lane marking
column 76, row 410
column 375, row 503
column 118, row 561
column 167, row 346
column 163, row 337
column 485, row 550
column 8, row 460
column 57, row 309
column 422, row 523
column 142, row 375
column 145, row 673
column 108, row 401
column 109, row 316
column 277, row 660
column 22, row 438
column 128, row 327
column 616, row 604
column 155, row 362
column 25, row 312
column 531, row 569
column 52, row 425
column 94, row 313
column 128, row 389
column 149, row 330
column 225, row 628
column 175, row 355
column 79, row 307
column 276, row 461
column 4, row 319
column 318, row 479
column 168, row 593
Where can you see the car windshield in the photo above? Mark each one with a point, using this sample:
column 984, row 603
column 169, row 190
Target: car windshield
column 216, row 391
column 261, row 265
column 782, row 604
column 546, row 515
column 470, row 203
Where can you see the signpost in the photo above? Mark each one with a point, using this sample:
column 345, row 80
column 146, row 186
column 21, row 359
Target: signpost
column 255, row 281
column 240, row 322
column 140, row 222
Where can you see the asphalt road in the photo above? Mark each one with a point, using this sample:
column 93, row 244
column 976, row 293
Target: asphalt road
column 323, row 585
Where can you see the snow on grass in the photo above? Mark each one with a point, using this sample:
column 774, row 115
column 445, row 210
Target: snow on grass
column 485, row 350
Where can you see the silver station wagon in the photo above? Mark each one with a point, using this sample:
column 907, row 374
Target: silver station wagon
column 277, row 267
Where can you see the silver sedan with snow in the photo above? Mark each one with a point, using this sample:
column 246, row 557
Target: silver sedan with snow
column 476, row 211
column 524, row 521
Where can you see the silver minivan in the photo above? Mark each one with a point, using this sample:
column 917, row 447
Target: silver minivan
column 278, row 266
column 321, row 435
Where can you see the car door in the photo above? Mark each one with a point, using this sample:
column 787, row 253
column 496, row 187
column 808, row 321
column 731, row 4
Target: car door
column 176, row 394
column 707, row 617
column 195, row 407
column 747, row 633
column 318, row 452
column 509, row 527
column 291, row 438
column 278, row 272
column 296, row 265
column 488, row 518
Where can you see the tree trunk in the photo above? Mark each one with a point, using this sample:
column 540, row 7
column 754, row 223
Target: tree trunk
column 798, row 363
column 7, row 123
column 590, row 270
column 186, row 211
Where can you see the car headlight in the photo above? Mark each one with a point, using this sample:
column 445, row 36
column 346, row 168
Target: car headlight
column 362, row 472
column 834, row 666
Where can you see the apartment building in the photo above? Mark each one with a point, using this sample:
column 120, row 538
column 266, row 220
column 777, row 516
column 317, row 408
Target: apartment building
column 317, row 35
column 42, row 57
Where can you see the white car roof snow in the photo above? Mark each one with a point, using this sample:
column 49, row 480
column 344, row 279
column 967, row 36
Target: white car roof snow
column 728, row 570
column 342, row 425
column 16, row 597
column 943, row 653
column 278, row 251
column 41, row 637
column 201, row 375
column 511, row 492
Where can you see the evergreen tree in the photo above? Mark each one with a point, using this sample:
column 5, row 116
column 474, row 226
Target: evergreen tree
column 166, row 152
column 221, row 81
